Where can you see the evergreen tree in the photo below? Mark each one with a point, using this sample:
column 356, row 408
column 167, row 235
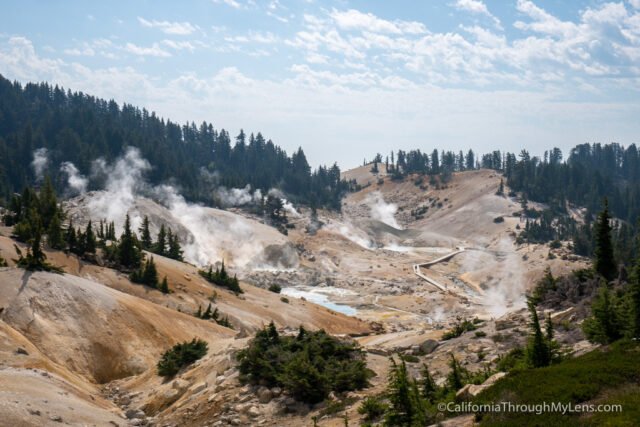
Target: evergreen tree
column 145, row 234
column 128, row 253
column 175, row 251
column 634, row 292
column 55, row 237
column 606, row 322
column 164, row 286
column 429, row 387
column 455, row 378
column 604, row 262
column 160, row 246
column 500, row 191
column 89, row 240
column 538, row 351
column 150, row 275
column 71, row 237
column 405, row 405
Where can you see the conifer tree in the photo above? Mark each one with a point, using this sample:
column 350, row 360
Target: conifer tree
column 429, row 387
column 164, row 286
column 71, row 237
column 538, row 352
column 89, row 240
column 606, row 322
column 405, row 405
column 145, row 234
column 634, row 292
column 455, row 380
column 128, row 253
column 55, row 238
column 161, row 242
column 150, row 274
column 175, row 251
column 604, row 262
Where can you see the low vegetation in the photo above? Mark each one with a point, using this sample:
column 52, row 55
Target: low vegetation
column 309, row 365
column 220, row 277
column 607, row 375
column 461, row 326
column 181, row 355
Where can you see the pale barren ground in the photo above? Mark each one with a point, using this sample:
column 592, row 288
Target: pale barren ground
column 83, row 346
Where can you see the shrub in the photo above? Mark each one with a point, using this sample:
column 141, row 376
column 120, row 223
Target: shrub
column 459, row 328
column 220, row 277
column 181, row 355
column 284, row 300
column 275, row 288
column 372, row 408
column 498, row 219
column 309, row 366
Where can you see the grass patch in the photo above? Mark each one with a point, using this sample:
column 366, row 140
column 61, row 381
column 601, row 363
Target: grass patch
column 600, row 376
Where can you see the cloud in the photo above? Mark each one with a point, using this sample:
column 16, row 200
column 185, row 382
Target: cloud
column 233, row 3
column 173, row 28
column 153, row 50
column 355, row 20
column 477, row 7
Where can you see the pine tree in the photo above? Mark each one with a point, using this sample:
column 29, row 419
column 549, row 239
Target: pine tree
column 429, row 387
column 634, row 292
column 405, row 405
column 145, row 234
column 175, row 251
column 89, row 240
column 150, row 275
column 207, row 313
column 604, row 262
column 55, row 238
column 538, row 352
column 128, row 253
column 161, row 242
column 605, row 324
column 71, row 237
column 164, row 286
column 455, row 380
column 500, row 191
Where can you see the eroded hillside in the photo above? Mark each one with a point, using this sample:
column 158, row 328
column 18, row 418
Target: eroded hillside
column 399, row 265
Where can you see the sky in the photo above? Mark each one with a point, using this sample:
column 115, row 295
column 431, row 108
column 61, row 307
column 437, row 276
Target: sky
column 347, row 79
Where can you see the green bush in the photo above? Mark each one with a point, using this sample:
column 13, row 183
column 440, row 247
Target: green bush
column 220, row 277
column 460, row 328
column 181, row 355
column 372, row 408
column 275, row 288
column 309, row 366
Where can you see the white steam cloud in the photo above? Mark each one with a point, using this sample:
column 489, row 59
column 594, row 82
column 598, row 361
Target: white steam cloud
column 76, row 181
column 382, row 211
column 238, row 196
column 286, row 205
column 40, row 162
column 207, row 235
column 124, row 179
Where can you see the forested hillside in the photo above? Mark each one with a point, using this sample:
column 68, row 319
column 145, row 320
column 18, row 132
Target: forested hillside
column 79, row 128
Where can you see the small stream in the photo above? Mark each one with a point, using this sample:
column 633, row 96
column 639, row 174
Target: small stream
column 321, row 296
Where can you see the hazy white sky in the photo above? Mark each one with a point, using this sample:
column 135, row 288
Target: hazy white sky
column 345, row 79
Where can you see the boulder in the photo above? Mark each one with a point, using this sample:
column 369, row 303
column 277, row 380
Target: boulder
column 134, row 414
column 264, row 395
column 180, row 384
column 253, row 412
column 428, row 346
column 197, row 388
